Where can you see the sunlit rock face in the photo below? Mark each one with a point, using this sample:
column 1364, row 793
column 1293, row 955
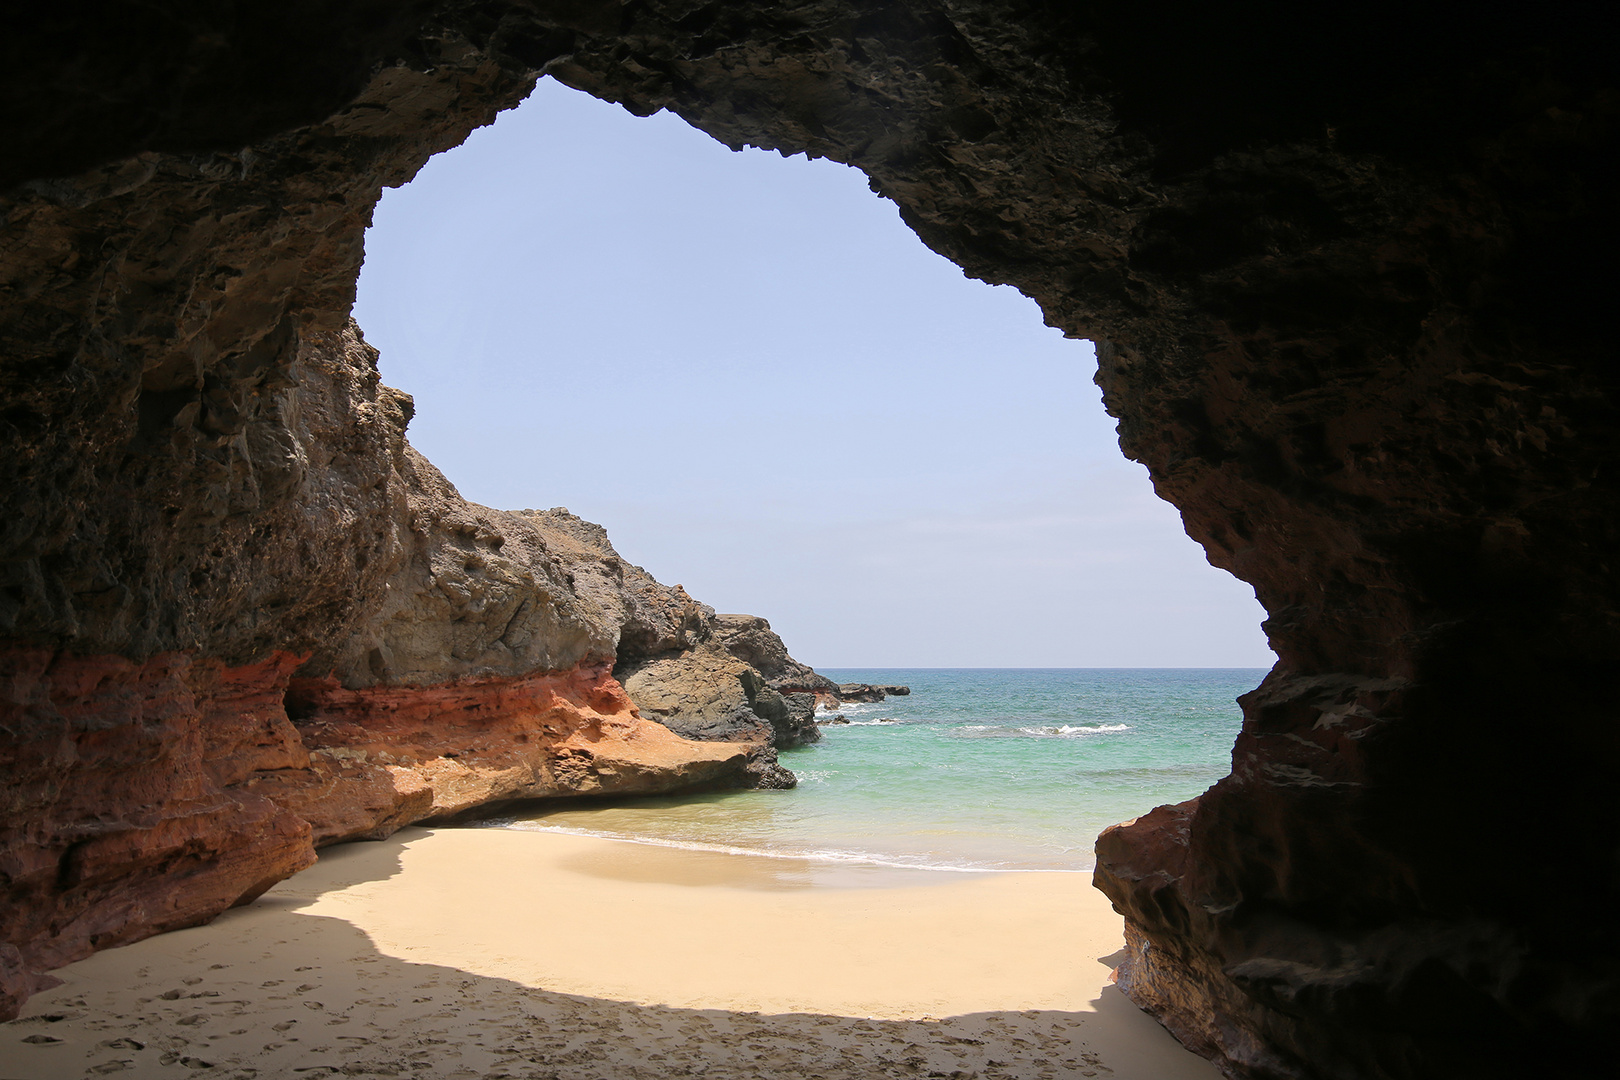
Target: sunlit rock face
column 1349, row 276
column 149, row 793
column 704, row 675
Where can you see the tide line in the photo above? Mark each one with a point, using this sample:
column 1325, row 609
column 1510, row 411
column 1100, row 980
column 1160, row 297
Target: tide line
column 841, row 857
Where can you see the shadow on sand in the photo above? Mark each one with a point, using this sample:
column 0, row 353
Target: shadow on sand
column 272, row 991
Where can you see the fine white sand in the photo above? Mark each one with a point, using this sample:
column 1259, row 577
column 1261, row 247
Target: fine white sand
column 498, row 953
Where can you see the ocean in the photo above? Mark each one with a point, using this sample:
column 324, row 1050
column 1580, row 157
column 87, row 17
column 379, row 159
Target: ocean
column 976, row 770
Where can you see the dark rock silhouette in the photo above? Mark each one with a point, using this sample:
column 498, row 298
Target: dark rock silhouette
column 868, row 692
column 1349, row 273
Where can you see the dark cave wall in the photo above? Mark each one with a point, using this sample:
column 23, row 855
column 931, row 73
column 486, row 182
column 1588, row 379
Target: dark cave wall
column 1349, row 272
column 159, row 477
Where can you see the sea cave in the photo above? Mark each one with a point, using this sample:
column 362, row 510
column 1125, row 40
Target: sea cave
column 1345, row 270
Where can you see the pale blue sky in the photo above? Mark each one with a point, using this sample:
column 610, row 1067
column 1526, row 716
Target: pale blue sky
column 770, row 391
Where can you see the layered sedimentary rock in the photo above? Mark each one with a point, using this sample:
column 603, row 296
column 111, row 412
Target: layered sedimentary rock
column 1349, row 275
column 385, row 756
column 151, row 796
column 124, row 810
column 145, row 795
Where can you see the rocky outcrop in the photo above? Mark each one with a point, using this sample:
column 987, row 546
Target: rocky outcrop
column 1349, row 277
column 640, row 616
column 153, row 796
column 470, row 592
column 705, row 676
column 126, row 812
column 468, row 670
column 792, row 716
column 869, row 692
column 706, row 693
column 750, row 639
column 701, row 693
column 384, row 757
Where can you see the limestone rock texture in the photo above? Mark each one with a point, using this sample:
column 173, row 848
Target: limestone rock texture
column 1349, row 271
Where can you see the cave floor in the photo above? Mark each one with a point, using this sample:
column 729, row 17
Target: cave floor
column 498, row 953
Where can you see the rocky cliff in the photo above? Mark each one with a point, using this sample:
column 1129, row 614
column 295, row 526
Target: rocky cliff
column 703, row 675
column 1349, row 273
column 472, row 666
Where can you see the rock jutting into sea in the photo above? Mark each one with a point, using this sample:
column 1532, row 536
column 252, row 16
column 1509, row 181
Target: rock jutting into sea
column 867, row 692
column 704, row 676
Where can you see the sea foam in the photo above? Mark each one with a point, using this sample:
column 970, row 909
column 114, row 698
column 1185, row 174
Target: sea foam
column 974, row 771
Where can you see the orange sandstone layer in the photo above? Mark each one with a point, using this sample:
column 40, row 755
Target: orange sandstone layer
column 386, row 756
column 123, row 814
column 148, row 796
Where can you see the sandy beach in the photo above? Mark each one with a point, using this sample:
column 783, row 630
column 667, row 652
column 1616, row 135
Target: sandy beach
column 498, row 953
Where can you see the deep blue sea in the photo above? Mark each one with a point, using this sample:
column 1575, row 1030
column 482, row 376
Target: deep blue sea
column 978, row 769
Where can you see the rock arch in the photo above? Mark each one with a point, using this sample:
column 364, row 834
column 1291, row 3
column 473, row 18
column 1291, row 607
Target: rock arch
column 1349, row 276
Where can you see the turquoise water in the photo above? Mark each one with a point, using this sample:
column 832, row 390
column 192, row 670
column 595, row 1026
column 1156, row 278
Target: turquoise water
column 978, row 769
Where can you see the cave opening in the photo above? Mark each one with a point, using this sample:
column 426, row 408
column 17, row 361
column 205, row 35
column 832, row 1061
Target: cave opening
column 1345, row 308
column 810, row 415
column 756, row 376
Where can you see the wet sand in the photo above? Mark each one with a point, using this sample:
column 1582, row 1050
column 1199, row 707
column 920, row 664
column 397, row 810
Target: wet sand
column 498, row 953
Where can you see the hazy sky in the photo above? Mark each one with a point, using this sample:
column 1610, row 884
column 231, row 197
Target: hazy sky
column 770, row 391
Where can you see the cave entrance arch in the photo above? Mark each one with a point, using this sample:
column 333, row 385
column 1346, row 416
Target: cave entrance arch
column 844, row 427
column 1349, row 287
column 842, row 423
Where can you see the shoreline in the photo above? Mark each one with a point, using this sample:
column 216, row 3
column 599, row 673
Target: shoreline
column 470, row 952
column 849, row 859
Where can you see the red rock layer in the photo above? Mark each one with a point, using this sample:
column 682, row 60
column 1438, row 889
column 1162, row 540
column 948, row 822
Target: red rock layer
column 145, row 797
column 124, row 814
column 384, row 756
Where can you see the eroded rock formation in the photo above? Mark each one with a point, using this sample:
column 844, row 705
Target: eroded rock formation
column 1349, row 275
column 750, row 639
column 470, row 668
column 703, row 675
column 151, row 796
column 125, row 813
column 383, row 757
